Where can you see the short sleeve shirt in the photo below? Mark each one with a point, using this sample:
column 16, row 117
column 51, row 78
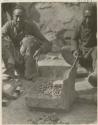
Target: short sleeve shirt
column 9, row 32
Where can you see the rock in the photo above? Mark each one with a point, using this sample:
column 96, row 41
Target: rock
column 90, row 98
column 61, row 101
column 81, row 72
column 15, row 95
column 54, row 17
column 60, row 96
column 95, row 98
column 54, row 118
column 19, row 90
column 92, row 79
column 11, row 91
column 49, row 118
column 8, row 90
column 5, row 102
column 55, row 57
column 58, row 83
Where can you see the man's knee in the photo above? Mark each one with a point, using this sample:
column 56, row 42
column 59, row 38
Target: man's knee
column 94, row 57
column 94, row 53
column 65, row 49
column 29, row 45
column 8, row 52
column 67, row 55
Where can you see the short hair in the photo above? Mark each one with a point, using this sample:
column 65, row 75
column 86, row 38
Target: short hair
column 19, row 7
column 91, row 7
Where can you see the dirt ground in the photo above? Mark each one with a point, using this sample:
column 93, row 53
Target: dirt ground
column 17, row 111
column 81, row 112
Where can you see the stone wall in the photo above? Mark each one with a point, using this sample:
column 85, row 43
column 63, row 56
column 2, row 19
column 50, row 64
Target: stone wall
column 56, row 20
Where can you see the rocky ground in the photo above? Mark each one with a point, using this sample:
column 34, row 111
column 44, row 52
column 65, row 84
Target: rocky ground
column 17, row 112
column 83, row 111
column 57, row 22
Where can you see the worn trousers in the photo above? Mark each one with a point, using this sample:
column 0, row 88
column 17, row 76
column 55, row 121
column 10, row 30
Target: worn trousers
column 14, row 61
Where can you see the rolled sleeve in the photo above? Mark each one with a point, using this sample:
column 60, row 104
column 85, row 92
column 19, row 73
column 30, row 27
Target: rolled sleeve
column 45, row 44
column 36, row 32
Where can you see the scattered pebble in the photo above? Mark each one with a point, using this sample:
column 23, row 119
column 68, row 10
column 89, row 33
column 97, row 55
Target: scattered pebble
column 5, row 102
column 15, row 95
column 50, row 118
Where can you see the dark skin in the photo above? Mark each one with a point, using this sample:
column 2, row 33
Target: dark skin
column 88, row 18
column 88, row 22
column 18, row 17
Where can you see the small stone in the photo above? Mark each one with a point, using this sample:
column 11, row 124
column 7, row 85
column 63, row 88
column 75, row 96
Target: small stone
column 15, row 96
column 58, row 83
column 54, row 117
column 59, row 122
column 55, row 57
column 8, row 90
column 34, row 122
column 5, row 102
column 18, row 90
column 95, row 98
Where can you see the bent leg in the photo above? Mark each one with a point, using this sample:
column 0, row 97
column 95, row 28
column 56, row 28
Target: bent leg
column 30, row 68
column 67, row 55
column 8, row 57
column 94, row 58
column 28, row 48
column 92, row 78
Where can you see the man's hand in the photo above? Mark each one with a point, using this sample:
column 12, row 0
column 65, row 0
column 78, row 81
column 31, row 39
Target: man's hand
column 36, row 54
column 75, row 53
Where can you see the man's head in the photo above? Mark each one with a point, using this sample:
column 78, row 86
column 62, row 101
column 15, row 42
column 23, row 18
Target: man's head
column 88, row 17
column 89, row 14
column 18, row 15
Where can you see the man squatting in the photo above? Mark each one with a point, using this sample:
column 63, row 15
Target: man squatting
column 22, row 42
column 84, row 43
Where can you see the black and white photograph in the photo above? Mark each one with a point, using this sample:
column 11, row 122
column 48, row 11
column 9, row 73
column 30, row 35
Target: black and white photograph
column 49, row 62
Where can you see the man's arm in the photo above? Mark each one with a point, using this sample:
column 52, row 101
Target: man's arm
column 6, row 40
column 37, row 33
column 6, row 31
column 46, row 45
